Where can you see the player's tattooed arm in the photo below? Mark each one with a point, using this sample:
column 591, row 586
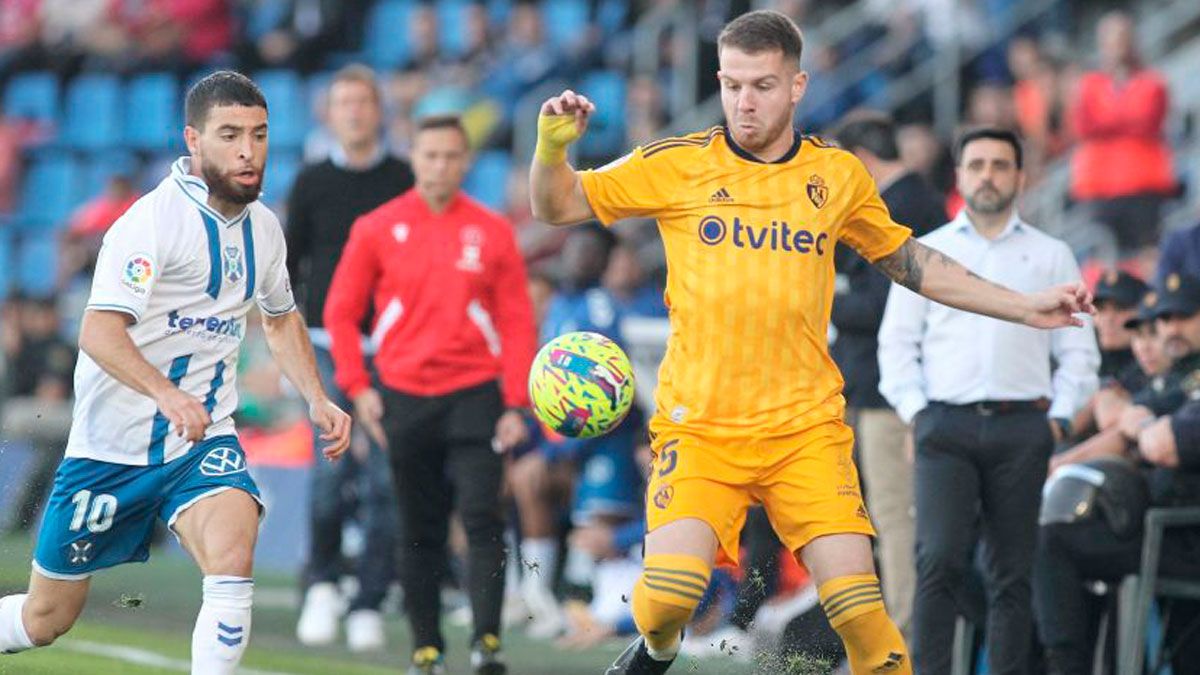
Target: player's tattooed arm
column 910, row 264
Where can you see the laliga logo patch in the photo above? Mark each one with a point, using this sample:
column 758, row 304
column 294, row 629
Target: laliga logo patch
column 137, row 273
column 235, row 269
column 712, row 230
column 222, row 462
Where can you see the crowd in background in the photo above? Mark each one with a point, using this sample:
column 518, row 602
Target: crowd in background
column 1062, row 107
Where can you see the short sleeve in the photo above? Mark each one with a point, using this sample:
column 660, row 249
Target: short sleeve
column 130, row 262
column 623, row 188
column 274, row 294
column 868, row 227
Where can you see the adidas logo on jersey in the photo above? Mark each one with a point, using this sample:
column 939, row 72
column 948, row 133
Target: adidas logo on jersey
column 720, row 197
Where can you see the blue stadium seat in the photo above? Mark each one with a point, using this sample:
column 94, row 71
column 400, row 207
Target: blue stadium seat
column 288, row 106
column 488, row 179
column 152, row 112
column 282, row 168
column 386, row 41
column 37, row 266
column 315, row 90
column 452, row 21
column 606, row 130
column 93, row 112
column 565, row 20
column 32, row 96
column 49, row 192
column 6, row 264
column 99, row 168
column 498, row 11
column 611, row 14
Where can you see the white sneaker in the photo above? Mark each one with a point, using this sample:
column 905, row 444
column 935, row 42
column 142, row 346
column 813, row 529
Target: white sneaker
column 364, row 631
column 548, row 620
column 318, row 624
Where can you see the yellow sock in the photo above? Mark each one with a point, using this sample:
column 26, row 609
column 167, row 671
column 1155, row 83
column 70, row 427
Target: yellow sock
column 854, row 606
column 664, row 598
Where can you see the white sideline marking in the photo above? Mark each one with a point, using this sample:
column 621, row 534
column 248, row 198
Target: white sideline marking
column 143, row 657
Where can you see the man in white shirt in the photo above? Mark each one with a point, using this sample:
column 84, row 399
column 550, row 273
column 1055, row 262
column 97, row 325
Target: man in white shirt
column 985, row 407
column 153, row 433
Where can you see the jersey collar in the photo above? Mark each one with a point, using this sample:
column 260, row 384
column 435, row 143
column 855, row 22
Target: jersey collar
column 962, row 223
column 196, row 190
column 750, row 157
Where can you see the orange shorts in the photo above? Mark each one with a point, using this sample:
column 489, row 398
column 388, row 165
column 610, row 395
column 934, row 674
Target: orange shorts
column 807, row 483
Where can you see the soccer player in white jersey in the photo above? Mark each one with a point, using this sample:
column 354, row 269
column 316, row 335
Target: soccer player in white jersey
column 153, row 434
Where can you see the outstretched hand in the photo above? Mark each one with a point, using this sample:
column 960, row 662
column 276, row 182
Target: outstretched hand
column 1058, row 306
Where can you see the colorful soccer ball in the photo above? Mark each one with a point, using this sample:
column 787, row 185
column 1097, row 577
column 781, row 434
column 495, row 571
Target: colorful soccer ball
column 581, row 384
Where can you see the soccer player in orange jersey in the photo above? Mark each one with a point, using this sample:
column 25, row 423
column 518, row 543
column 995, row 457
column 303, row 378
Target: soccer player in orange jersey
column 749, row 405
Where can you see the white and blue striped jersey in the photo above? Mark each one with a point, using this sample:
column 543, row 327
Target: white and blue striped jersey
column 188, row 276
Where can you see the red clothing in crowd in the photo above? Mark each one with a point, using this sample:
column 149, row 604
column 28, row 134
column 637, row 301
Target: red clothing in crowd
column 1121, row 149
column 451, row 306
column 96, row 216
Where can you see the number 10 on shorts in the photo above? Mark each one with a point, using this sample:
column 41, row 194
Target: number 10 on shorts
column 98, row 511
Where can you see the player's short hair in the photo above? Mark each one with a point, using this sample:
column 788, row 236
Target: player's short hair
column 873, row 132
column 763, row 30
column 224, row 87
column 991, row 133
column 357, row 72
column 441, row 122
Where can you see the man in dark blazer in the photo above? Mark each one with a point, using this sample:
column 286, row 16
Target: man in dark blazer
column 858, row 305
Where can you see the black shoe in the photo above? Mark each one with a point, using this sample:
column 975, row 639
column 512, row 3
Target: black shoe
column 485, row 656
column 635, row 660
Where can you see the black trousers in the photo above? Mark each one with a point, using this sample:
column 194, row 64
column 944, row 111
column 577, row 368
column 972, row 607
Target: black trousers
column 977, row 476
column 1070, row 554
column 442, row 461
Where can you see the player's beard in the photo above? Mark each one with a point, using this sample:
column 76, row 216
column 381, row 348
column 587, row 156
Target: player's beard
column 222, row 185
column 989, row 199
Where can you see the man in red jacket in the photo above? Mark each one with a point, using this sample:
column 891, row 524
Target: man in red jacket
column 454, row 337
column 1122, row 165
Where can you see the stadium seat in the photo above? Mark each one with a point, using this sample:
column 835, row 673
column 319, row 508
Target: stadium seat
column 611, row 14
column 32, row 96
column 498, row 11
column 99, row 168
column 606, row 130
column 488, row 179
column 6, row 263
column 49, row 192
column 386, row 42
column 282, row 168
column 152, row 116
column 93, row 112
column 288, row 106
column 37, row 266
column 565, row 20
column 452, row 19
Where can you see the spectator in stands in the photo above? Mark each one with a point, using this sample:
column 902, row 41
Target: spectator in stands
column 38, row 402
column 986, row 406
column 85, row 231
column 991, row 105
column 1118, row 296
column 1179, row 253
column 455, row 337
column 326, row 199
column 20, row 48
column 1039, row 96
column 601, row 473
column 525, row 59
column 160, row 34
column 1166, row 435
column 922, row 152
column 625, row 279
column 300, row 34
column 1122, row 165
column 644, row 112
column 858, row 306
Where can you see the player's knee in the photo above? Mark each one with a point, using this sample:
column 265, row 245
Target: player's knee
column 669, row 590
column 46, row 621
column 237, row 560
column 529, row 474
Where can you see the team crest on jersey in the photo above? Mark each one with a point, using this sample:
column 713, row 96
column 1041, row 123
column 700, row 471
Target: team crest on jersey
column 137, row 273
column 233, row 265
column 471, row 259
column 818, row 192
column 222, row 462
column 662, row 498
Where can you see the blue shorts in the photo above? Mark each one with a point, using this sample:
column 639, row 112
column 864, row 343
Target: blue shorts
column 101, row 514
column 610, row 484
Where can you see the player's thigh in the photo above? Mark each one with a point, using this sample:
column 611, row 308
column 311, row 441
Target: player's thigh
column 219, row 531
column 695, row 501
column 812, row 497
column 53, row 606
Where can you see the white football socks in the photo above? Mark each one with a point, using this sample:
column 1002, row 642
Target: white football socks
column 223, row 625
column 540, row 558
column 13, row 637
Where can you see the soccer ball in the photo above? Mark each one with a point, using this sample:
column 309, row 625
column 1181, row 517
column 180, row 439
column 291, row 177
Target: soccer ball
column 581, row 385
